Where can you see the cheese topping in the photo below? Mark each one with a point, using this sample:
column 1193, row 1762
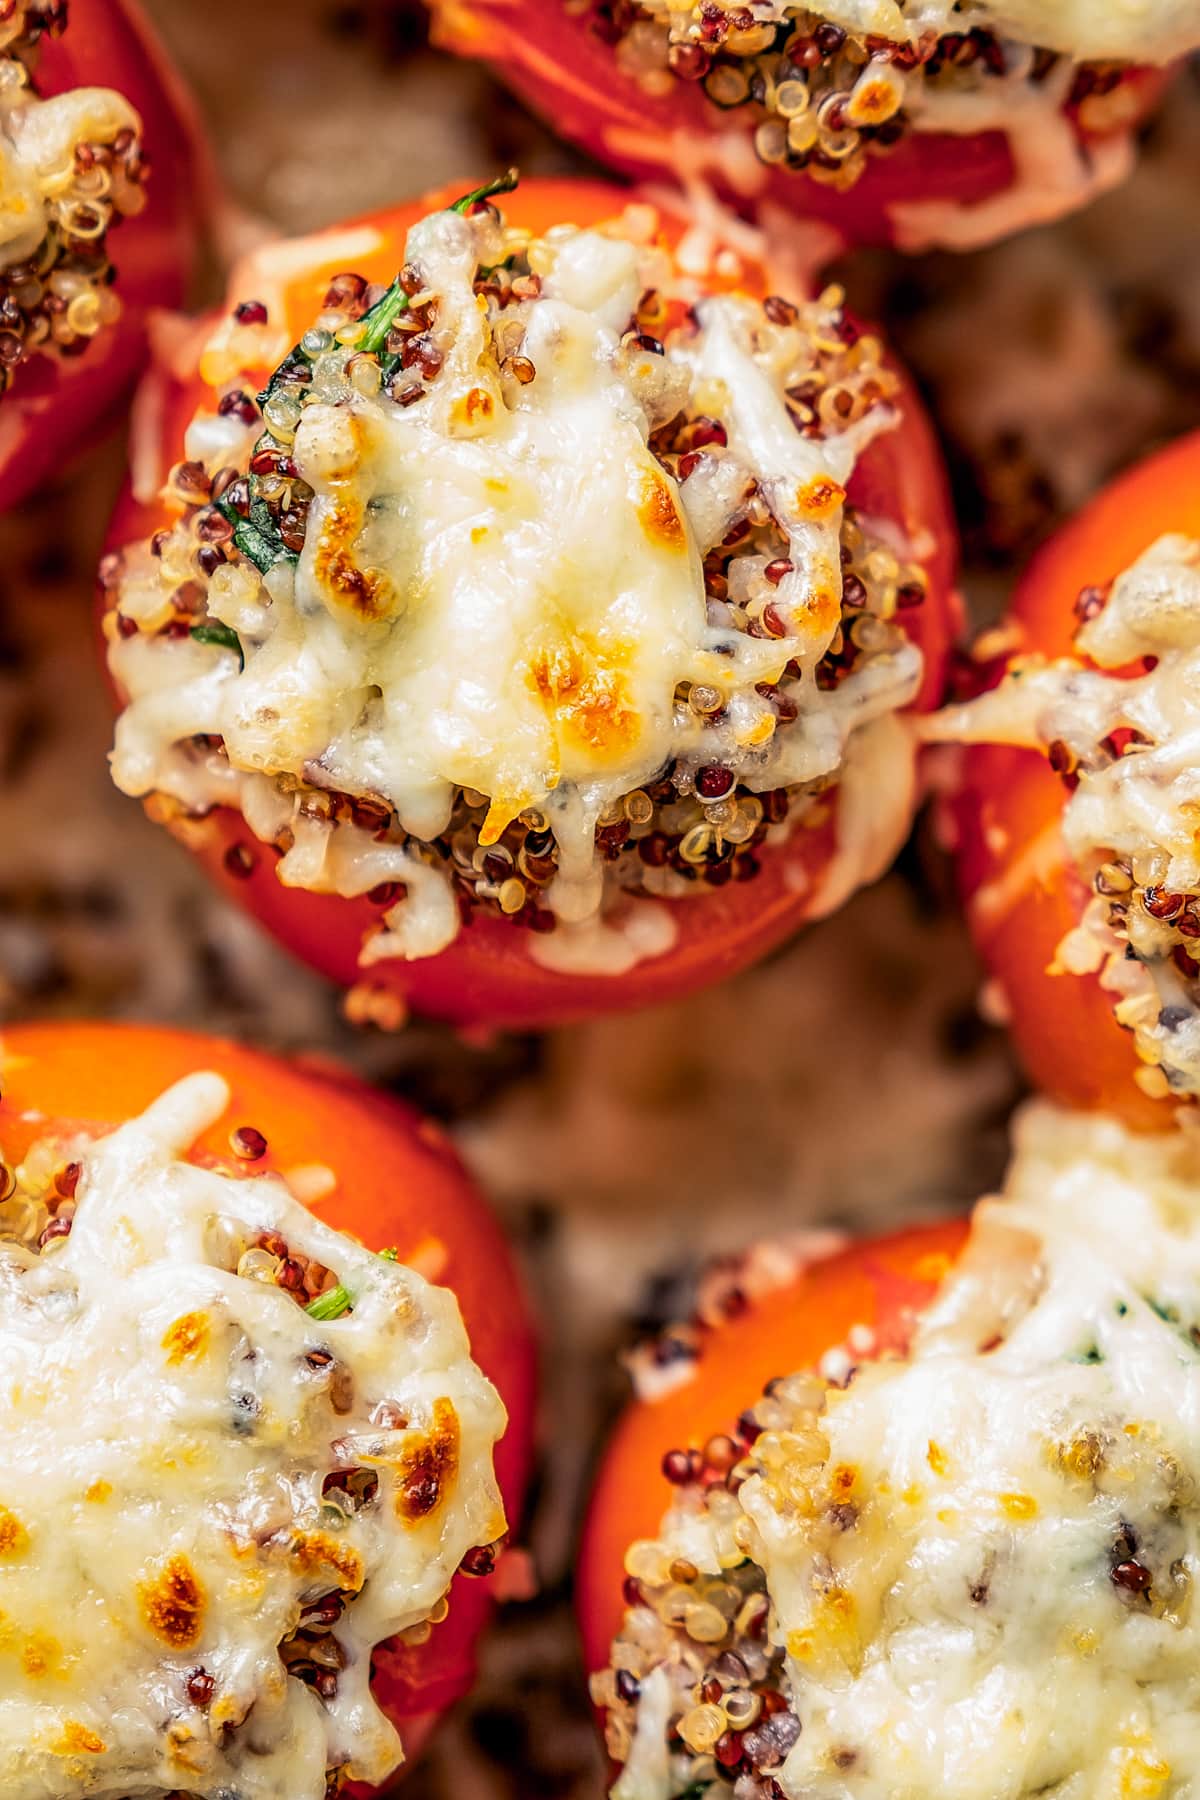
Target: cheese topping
column 555, row 586
column 216, row 1499
column 69, row 166
column 1136, row 31
column 970, row 1571
column 825, row 88
column 1128, row 744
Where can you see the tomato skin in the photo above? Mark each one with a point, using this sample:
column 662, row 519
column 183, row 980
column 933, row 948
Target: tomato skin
column 56, row 404
column 1022, row 895
column 881, row 1283
column 399, row 1183
column 568, row 75
column 487, row 976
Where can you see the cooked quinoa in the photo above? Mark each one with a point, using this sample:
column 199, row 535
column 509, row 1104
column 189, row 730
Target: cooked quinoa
column 73, row 167
column 1118, row 726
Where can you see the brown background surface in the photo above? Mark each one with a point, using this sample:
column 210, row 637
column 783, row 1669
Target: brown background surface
column 850, row 1080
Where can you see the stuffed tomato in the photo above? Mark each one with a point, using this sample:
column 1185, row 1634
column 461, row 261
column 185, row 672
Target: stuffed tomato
column 97, row 223
column 254, row 1456
column 945, row 1549
column 538, row 641
column 1076, row 817
column 918, row 126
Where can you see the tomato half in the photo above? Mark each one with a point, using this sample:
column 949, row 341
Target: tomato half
column 881, row 1283
column 554, row 57
column 1022, row 894
column 486, row 976
column 56, row 403
column 398, row 1184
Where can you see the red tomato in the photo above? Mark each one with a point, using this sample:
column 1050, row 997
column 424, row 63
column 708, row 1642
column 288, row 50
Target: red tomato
column 880, row 1283
column 550, row 53
column 1022, row 895
column 55, row 403
column 486, row 976
column 399, row 1184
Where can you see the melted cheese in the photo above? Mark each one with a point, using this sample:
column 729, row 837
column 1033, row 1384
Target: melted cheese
column 501, row 590
column 37, row 153
column 1140, row 807
column 954, row 1625
column 167, row 1441
column 1137, row 31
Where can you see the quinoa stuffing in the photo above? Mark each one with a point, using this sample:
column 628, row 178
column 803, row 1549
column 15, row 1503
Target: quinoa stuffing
column 830, row 99
column 1116, row 724
column 662, row 682
column 73, row 168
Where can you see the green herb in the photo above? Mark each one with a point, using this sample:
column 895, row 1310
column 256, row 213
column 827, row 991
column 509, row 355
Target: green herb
column 386, row 310
column 332, row 1305
column 392, row 1255
column 224, row 635
column 258, row 536
column 1094, row 1355
column 695, row 1790
column 503, row 184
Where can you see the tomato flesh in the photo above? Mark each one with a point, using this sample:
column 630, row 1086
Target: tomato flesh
column 881, row 1283
column 399, row 1184
column 554, row 59
column 487, row 977
column 1022, row 895
column 56, row 403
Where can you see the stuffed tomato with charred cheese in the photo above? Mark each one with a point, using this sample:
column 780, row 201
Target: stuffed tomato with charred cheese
column 1076, row 815
column 256, row 1473
column 98, row 216
column 532, row 635
column 950, row 1548
column 930, row 124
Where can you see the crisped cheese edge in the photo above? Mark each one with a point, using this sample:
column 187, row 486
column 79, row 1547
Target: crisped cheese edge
column 542, row 593
column 965, row 1636
column 161, row 1503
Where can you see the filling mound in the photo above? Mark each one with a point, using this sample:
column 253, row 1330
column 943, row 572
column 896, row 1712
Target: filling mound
column 967, row 1571
column 71, row 167
column 528, row 587
column 834, row 86
column 240, row 1452
column 1117, row 725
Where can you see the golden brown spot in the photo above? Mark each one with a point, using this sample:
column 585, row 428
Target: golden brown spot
column 480, row 534
column 14, row 1539
column 173, row 1603
column 367, row 592
column 658, row 513
column 187, row 1337
column 584, row 690
column 99, row 1492
column 1021, row 1507
column 428, row 1467
column 77, row 1740
column 937, row 1459
column 472, row 409
column 843, row 1478
column 40, row 1655
column 871, row 103
column 820, row 497
column 319, row 1551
